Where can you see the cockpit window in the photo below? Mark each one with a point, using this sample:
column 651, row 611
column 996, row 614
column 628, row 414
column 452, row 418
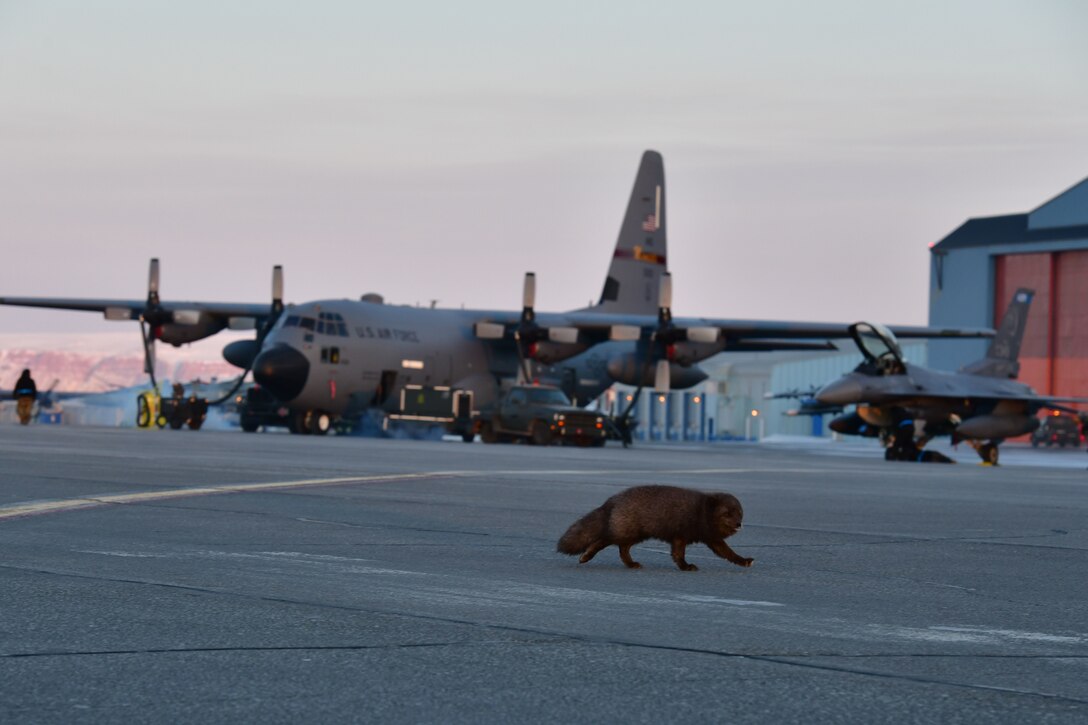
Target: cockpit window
column 876, row 342
column 306, row 323
column 291, row 321
column 331, row 323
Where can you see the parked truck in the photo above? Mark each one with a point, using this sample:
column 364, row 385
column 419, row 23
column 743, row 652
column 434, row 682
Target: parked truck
column 542, row 415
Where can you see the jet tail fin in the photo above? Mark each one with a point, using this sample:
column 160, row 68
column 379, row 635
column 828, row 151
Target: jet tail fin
column 639, row 259
column 1002, row 359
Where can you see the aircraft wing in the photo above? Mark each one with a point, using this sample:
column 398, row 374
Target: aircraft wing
column 1042, row 401
column 664, row 342
column 593, row 327
column 175, row 323
column 114, row 309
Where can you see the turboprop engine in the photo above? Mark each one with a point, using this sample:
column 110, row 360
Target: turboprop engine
column 700, row 343
column 989, row 427
column 188, row 326
column 550, row 351
column 630, row 370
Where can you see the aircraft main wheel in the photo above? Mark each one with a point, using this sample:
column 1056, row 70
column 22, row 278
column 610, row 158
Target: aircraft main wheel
column 468, row 436
column 540, row 435
column 249, row 425
column 487, row 433
column 320, row 422
column 299, row 422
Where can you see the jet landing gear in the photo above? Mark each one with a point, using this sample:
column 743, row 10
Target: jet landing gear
column 986, row 451
column 903, row 447
column 310, row 422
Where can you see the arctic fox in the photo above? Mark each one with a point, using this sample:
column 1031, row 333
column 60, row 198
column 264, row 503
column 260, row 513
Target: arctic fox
column 677, row 516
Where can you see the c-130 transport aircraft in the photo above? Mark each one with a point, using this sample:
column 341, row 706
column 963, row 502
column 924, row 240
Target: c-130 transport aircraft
column 332, row 359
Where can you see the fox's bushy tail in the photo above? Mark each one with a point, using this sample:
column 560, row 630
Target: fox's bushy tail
column 583, row 532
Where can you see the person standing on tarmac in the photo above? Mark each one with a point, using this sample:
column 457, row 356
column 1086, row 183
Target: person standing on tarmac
column 26, row 392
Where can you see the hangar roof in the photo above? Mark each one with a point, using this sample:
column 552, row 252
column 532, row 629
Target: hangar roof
column 1063, row 217
column 1009, row 229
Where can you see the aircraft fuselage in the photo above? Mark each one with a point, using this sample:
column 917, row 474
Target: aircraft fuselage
column 342, row 356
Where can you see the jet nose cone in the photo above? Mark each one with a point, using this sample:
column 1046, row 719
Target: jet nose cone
column 843, row 391
column 282, row 370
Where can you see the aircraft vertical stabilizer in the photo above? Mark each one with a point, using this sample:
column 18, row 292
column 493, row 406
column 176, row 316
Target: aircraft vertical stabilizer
column 639, row 259
column 1001, row 359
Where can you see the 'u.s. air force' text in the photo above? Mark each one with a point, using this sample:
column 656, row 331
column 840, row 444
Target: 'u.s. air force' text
column 388, row 333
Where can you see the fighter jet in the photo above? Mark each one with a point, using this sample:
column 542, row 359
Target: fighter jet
column 908, row 404
column 336, row 358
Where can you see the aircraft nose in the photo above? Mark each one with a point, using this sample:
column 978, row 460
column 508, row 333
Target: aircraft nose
column 843, row 391
column 282, row 370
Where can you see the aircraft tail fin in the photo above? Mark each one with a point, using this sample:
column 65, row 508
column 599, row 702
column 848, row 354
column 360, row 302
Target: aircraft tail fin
column 1002, row 359
column 639, row 259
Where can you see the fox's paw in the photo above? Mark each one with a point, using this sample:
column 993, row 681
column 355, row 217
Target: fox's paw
column 634, row 565
column 746, row 562
column 688, row 567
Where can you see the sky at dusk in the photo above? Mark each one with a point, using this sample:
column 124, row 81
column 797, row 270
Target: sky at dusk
column 437, row 151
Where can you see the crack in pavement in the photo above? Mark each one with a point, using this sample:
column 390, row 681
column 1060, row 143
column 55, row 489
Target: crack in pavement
column 777, row 659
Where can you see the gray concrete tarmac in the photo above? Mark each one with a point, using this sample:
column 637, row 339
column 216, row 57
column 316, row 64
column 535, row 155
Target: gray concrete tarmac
column 213, row 577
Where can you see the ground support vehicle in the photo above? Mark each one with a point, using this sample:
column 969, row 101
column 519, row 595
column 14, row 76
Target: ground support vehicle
column 541, row 415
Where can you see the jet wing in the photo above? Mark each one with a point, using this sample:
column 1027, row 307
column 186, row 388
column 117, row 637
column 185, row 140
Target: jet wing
column 1042, row 401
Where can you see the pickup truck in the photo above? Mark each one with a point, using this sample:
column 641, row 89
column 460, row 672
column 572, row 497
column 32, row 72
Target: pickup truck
column 542, row 415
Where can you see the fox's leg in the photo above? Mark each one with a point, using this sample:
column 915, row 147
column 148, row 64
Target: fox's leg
column 679, row 546
column 625, row 556
column 591, row 552
column 722, row 549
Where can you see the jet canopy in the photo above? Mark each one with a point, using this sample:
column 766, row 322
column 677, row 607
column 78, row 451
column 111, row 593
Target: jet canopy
column 877, row 344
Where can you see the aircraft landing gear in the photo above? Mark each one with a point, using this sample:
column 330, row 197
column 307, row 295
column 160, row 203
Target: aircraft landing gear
column 320, row 422
column 986, row 451
column 904, row 448
column 310, row 422
column 299, row 422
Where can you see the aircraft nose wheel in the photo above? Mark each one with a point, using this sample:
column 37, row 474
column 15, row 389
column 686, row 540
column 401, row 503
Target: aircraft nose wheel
column 988, row 453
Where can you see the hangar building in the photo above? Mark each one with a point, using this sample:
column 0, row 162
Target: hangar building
column 975, row 270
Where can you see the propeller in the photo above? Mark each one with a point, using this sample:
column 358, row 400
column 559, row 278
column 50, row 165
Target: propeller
column 527, row 330
column 152, row 317
column 242, row 353
column 276, row 309
column 662, row 336
column 654, row 352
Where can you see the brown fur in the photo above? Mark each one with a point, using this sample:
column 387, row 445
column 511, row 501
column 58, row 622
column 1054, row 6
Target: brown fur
column 677, row 516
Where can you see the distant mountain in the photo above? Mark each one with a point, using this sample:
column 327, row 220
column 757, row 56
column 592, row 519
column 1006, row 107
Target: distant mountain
column 100, row 362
